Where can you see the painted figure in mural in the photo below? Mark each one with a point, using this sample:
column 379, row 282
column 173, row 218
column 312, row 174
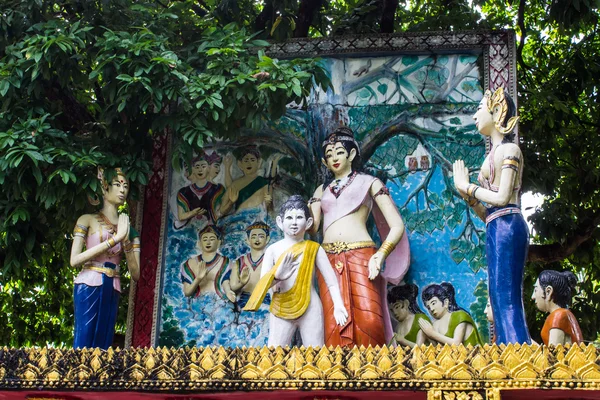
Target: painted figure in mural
column 204, row 274
column 451, row 324
column 403, row 303
column 345, row 201
column 489, row 315
column 288, row 270
column 507, row 232
column 251, row 190
column 106, row 236
column 552, row 293
column 247, row 271
column 214, row 166
column 202, row 199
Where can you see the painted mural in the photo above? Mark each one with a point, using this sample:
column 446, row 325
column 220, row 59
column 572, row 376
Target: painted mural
column 412, row 117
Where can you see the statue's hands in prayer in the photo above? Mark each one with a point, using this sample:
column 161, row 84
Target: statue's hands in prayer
column 340, row 314
column 375, row 264
column 245, row 276
column 122, row 228
column 426, row 327
column 288, row 266
column 461, row 176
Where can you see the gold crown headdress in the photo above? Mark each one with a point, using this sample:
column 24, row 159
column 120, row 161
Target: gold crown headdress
column 258, row 225
column 498, row 99
column 211, row 229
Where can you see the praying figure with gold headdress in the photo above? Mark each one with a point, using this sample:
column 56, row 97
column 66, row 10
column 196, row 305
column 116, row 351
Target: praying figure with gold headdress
column 246, row 273
column 507, row 233
column 288, row 271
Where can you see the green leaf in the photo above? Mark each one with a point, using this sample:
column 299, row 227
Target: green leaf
column 4, row 86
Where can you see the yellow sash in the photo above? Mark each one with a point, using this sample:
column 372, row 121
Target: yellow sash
column 293, row 303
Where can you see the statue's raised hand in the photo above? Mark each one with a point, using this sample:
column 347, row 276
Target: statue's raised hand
column 461, row 175
column 288, row 266
column 122, row 228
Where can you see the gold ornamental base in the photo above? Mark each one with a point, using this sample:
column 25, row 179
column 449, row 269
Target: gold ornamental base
column 443, row 372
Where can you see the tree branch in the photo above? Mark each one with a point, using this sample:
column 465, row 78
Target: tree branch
column 521, row 23
column 388, row 16
column 553, row 252
column 306, row 13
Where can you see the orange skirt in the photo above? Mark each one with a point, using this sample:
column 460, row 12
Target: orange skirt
column 362, row 299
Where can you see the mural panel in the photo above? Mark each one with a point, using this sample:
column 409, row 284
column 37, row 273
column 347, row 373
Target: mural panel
column 411, row 115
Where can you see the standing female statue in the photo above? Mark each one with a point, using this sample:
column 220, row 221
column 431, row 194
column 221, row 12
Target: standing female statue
column 106, row 236
column 507, row 232
column 345, row 202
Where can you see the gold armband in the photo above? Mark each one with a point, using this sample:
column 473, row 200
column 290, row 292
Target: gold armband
column 80, row 230
column 387, row 247
column 510, row 163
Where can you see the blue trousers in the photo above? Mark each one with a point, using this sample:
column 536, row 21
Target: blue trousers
column 95, row 313
column 506, row 247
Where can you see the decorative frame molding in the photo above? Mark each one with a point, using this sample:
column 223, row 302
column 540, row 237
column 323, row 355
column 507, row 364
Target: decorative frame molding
column 498, row 51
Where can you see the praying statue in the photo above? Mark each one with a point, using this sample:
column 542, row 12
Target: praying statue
column 99, row 242
column 507, row 234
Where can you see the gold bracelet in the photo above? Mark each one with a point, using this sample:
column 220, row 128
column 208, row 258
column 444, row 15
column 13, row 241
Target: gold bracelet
column 387, row 247
column 470, row 190
column 110, row 242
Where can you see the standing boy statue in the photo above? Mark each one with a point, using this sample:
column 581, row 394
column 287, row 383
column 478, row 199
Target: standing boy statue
column 288, row 270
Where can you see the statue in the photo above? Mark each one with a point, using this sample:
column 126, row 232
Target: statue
column 507, row 232
column 452, row 324
column 247, row 272
column 106, row 236
column 552, row 293
column 204, row 274
column 203, row 198
column 251, row 190
column 288, row 270
column 403, row 303
column 345, row 201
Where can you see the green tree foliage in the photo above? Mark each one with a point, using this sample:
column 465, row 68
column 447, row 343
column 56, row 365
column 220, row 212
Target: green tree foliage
column 84, row 84
column 89, row 83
